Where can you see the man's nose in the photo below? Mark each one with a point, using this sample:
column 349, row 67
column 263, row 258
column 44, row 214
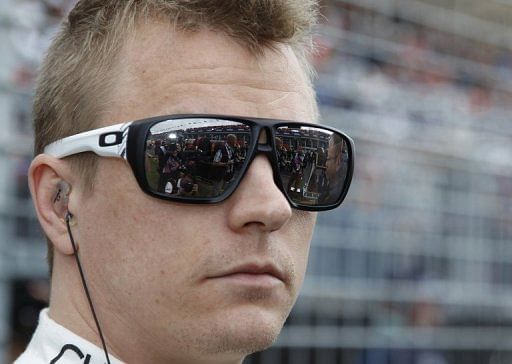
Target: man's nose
column 258, row 201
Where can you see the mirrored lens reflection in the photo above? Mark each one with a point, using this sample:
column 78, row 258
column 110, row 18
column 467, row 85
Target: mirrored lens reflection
column 313, row 164
column 196, row 156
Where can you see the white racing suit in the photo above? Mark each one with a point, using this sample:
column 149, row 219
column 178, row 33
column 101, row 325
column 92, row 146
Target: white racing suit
column 54, row 344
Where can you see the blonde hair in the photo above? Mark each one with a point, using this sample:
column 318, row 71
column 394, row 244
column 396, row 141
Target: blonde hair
column 78, row 72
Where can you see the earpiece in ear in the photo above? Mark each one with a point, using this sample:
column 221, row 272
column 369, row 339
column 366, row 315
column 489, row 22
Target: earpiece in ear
column 61, row 199
column 70, row 219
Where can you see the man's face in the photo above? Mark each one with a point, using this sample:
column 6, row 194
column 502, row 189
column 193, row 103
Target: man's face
column 179, row 279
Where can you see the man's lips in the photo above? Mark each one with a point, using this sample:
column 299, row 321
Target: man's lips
column 253, row 274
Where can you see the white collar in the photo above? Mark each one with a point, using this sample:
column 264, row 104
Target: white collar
column 53, row 343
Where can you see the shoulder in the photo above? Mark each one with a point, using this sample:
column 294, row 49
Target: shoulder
column 55, row 344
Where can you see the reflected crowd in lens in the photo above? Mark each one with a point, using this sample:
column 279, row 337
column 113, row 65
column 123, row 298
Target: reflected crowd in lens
column 202, row 158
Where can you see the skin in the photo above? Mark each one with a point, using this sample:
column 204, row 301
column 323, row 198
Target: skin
column 153, row 266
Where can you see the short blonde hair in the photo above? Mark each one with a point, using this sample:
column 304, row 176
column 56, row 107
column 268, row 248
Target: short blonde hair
column 78, row 72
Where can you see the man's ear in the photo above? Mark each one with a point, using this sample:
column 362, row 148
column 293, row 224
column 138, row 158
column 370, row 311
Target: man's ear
column 51, row 189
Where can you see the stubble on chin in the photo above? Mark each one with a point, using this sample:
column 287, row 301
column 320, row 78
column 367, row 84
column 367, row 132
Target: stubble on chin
column 241, row 336
column 253, row 326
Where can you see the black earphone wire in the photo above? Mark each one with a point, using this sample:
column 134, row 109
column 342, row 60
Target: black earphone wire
column 69, row 216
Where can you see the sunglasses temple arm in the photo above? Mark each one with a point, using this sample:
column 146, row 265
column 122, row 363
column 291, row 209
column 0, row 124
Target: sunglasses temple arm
column 109, row 141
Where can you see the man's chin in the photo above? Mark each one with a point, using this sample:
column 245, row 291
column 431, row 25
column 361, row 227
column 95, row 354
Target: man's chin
column 247, row 332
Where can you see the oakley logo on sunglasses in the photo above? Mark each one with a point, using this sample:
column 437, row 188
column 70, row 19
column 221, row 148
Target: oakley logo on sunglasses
column 203, row 158
column 110, row 139
column 115, row 138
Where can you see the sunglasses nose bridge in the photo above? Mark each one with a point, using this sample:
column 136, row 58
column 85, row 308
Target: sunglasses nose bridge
column 264, row 148
column 263, row 134
column 264, row 144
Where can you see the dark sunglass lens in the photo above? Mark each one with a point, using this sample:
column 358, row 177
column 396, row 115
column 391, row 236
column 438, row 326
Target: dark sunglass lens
column 195, row 157
column 313, row 164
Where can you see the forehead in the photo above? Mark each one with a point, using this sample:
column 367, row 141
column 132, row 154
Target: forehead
column 164, row 71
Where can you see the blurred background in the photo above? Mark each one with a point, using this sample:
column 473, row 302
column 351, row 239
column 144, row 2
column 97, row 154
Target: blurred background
column 416, row 266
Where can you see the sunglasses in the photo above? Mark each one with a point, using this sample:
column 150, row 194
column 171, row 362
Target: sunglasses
column 203, row 158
